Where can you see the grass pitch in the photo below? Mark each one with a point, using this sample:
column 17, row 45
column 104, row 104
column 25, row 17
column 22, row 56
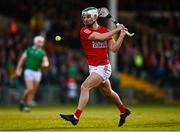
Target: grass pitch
column 94, row 118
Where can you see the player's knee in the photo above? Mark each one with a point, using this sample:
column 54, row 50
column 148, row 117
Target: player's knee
column 30, row 90
column 108, row 93
column 84, row 87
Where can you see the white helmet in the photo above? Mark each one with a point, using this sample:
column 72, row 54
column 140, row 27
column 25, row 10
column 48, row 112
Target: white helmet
column 90, row 13
column 39, row 40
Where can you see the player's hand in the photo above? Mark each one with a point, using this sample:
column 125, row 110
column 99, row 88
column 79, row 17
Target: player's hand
column 18, row 72
column 45, row 62
column 123, row 33
column 121, row 27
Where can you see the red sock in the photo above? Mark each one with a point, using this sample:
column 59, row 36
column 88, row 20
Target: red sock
column 122, row 108
column 78, row 113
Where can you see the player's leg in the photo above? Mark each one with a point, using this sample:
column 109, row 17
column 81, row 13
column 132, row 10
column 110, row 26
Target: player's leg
column 34, row 90
column 36, row 80
column 106, row 88
column 26, row 96
column 92, row 81
column 30, row 89
column 29, row 86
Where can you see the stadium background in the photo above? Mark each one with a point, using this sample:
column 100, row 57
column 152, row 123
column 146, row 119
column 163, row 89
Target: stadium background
column 148, row 65
column 149, row 62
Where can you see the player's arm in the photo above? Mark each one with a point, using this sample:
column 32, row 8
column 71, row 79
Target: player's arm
column 45, row 62
column 20, row 64
column 103, row 36
column 115, row 45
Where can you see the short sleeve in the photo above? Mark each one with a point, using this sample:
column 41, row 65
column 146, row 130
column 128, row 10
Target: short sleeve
column 25, row 53
column 44, row 53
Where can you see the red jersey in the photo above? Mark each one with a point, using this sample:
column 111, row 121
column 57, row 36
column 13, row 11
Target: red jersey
column 95, row 51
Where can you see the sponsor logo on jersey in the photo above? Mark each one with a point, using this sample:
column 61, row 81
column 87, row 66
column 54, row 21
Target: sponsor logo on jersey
column 87, row 31
column 99, row 44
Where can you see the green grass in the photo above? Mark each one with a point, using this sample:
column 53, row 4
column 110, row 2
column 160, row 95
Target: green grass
column 94, row 118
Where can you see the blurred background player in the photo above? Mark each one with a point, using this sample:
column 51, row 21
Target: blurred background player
column 34, row 58
column 96, row 40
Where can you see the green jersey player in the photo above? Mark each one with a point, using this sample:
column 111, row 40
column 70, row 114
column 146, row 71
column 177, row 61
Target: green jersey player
column 34, row 58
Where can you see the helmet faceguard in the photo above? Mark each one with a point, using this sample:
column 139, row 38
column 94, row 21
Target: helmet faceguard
column 89, row 16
